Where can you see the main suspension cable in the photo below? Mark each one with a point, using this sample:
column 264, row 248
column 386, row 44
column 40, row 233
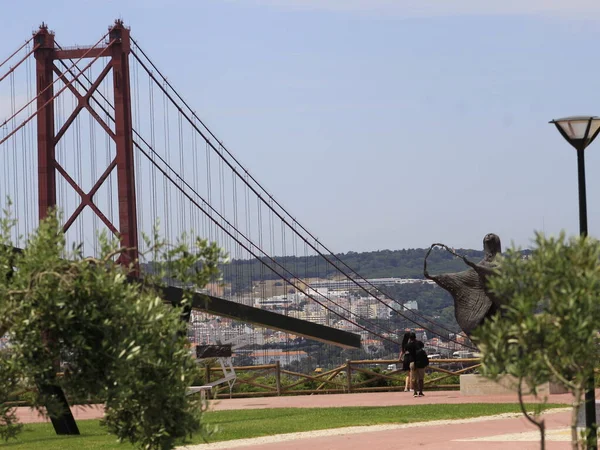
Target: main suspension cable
column 13, row 68
column 165, row 81
column 257, row 257
column 55, row 80
column 66, row 86
column 17, row 51
column 209, row 143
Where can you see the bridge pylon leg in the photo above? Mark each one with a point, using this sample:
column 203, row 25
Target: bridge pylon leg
column 44, row 56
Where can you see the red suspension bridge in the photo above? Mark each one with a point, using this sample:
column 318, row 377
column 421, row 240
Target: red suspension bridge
column 101, row 133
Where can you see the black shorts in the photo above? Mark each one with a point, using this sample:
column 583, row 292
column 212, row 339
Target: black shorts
column 406, row 362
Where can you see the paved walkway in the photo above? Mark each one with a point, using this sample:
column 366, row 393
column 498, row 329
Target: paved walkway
column 506, row 433
column 510, row 431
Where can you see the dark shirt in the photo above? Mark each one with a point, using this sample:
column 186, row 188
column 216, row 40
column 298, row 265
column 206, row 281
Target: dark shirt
column 411, row 349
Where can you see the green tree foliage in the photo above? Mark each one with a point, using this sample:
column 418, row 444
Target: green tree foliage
column 9, row 386
column 548, row 329
column 114, row 340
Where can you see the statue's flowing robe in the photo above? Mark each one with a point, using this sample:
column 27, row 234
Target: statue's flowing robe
column 473, row 303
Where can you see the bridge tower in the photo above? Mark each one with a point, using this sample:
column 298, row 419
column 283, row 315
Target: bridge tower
column 46, row 53
column 117, row 49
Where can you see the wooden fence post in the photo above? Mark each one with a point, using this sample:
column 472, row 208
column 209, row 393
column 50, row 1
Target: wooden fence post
column 348, row 375
column 207, row 373
column 278, row 376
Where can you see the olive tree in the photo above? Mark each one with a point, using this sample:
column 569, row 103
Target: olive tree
column 84, row 325
column 548, row 326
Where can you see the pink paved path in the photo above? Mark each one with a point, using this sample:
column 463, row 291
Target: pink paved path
column 430, row 437
column 425, row 437
column 28, row 415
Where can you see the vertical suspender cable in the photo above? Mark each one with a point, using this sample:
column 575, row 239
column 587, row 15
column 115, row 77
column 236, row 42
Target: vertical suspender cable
column 80, row 179
column 235, row 249
column 153, row 143
column 209, row 187
column 248, row 219
column 108, row 146
column 24, row 181
column 181, row 213
column 94, row 173
column 194, row 213
column 60, row 150
column 286, row 290
column 166, row 186
column 221, row 194
column 30, row 191
column 16, row 199
column 72, row 160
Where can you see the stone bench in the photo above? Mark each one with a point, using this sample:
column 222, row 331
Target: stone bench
column 474, row 384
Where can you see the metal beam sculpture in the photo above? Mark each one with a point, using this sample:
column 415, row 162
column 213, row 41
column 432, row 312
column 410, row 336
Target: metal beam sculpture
column 473, row 301
column 268, row 319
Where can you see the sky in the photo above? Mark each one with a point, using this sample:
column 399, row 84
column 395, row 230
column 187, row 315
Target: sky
column 379, row 124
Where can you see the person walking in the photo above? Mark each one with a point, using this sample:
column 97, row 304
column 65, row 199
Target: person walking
column 421, row 362
column 405, row 360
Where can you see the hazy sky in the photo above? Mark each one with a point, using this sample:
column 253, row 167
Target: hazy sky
column 378, row 123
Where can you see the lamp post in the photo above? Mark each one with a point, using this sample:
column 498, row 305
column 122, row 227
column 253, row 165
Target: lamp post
column 580, row 131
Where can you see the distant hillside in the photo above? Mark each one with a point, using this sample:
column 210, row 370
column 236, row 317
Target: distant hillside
column 434, row 302
column 406, row 263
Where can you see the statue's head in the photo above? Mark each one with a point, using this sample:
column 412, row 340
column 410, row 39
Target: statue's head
column 492, row 245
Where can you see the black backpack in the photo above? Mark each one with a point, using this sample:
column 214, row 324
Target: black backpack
column 421, row 359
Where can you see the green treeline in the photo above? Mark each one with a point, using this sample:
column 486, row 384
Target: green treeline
column 407, row 263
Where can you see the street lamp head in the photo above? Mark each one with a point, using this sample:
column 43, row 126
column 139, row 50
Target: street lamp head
column 579, row 131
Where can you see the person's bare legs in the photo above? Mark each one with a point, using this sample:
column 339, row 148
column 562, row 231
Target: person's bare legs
column 407, row 382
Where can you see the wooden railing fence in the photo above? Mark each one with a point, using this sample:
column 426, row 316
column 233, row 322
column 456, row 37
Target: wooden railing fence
column 353, row 376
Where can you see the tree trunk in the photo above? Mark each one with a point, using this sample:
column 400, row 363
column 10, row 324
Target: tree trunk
column 574, row 417
column 541, row 424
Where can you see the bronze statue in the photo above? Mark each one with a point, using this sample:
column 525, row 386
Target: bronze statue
column 473, row 302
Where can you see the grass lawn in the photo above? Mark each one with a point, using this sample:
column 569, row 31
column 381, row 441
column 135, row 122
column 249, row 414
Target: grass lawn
column 263, row 422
